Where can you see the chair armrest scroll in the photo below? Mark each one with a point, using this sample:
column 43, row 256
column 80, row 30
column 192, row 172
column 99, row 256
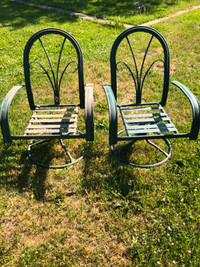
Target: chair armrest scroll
column 195, row 109
column 113, row 119
column 4, row 113
column 89, row 118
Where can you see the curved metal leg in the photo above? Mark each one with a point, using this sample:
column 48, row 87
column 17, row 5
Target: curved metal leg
column 167, row 154
column 72, row 160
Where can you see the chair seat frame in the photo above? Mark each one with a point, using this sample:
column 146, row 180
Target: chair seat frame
column 5, row 126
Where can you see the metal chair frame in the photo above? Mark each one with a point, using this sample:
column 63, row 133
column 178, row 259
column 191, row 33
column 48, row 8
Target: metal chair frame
column 55, row 121
column 153, row 122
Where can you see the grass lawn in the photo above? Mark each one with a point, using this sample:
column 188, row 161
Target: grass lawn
column 121, row 11
column 98, row 212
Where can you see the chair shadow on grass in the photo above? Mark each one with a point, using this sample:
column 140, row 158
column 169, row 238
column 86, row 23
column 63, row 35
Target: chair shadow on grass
column 121, row 186
column 107, row 173
column 22, row 174
column 102, row 172
column 32, row 177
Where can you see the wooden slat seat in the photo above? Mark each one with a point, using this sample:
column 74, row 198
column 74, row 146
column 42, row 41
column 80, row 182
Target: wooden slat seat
column 53, row 121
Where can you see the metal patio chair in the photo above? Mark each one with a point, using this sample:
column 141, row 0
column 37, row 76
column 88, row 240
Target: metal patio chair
column 140, row 114
column 54, row 82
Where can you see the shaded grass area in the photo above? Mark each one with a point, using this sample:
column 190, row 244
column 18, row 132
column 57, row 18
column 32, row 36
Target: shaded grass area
column 121, row 11
column 98, row 213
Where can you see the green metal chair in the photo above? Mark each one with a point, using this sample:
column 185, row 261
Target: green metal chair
column 140, row 72
column 53, row 69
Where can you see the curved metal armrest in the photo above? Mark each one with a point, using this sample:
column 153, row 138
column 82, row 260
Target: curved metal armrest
column 113, row 119
column 89, row 118
column 195, row 109
column 4, row 113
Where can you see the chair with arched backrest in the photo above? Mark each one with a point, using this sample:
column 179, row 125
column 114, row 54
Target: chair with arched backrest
column 54, row 82
column 140, row 78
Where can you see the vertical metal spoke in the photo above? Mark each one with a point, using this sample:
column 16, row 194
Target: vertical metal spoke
column 141, row 70
column 61, row 50
column 136, row 68
column 138, row 81
column 49, row 63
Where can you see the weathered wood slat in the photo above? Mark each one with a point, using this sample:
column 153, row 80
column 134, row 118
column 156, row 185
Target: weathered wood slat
column 52, row 126
column 54, row 116
column 52, row 121
column 52, row 131
column 58, row 110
